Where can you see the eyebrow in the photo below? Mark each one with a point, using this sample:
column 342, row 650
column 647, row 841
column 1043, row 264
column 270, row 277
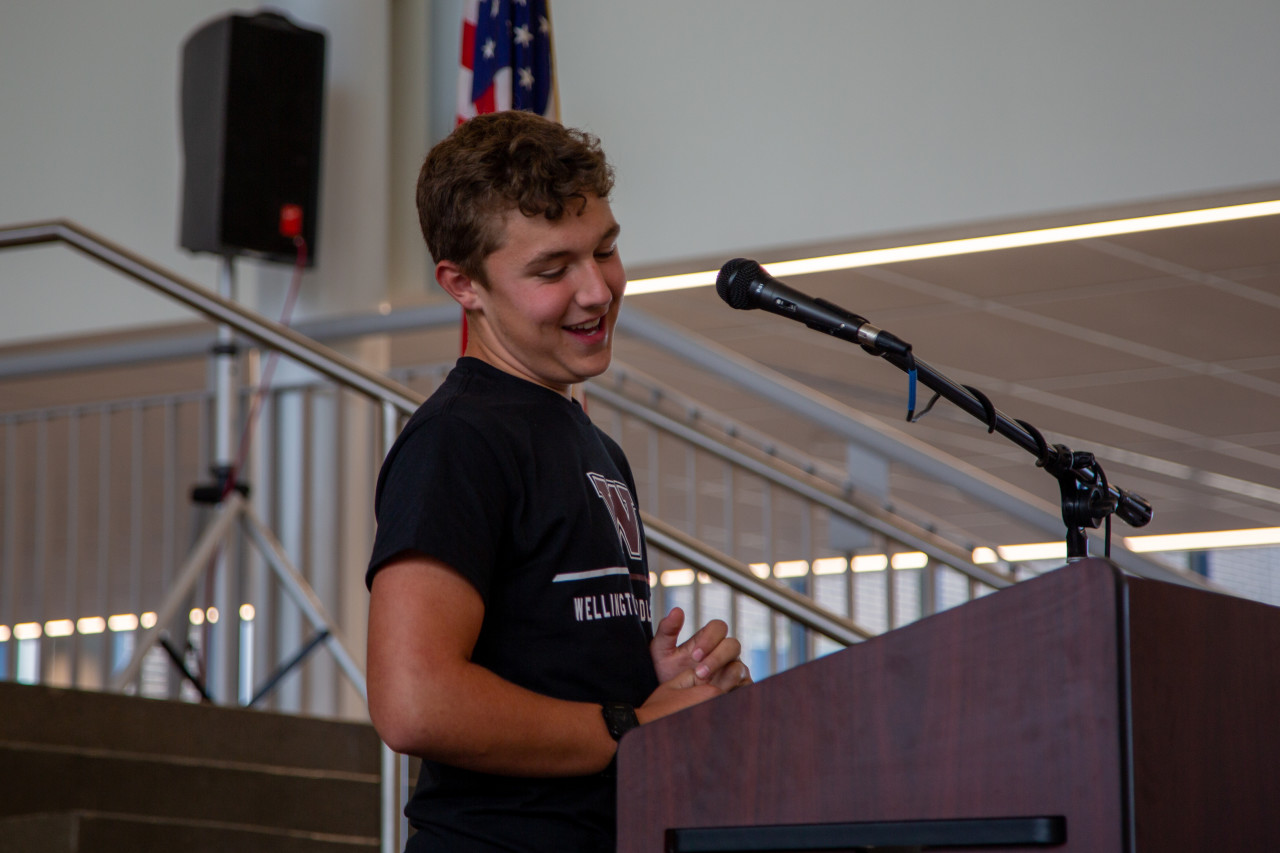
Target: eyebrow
column 555, row 254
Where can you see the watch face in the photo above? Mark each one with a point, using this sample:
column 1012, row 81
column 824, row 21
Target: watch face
column 620, row 718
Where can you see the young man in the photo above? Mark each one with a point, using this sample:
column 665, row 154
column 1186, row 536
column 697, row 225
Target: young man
column 510, row 640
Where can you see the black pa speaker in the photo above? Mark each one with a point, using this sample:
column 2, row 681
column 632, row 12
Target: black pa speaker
column 252, row 98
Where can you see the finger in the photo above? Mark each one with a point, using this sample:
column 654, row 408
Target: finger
column 728, row 650
column 731, row 677
column 708, row 637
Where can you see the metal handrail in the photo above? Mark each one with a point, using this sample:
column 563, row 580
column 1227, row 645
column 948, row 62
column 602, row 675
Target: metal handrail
column 697, row 555
column 305, row 351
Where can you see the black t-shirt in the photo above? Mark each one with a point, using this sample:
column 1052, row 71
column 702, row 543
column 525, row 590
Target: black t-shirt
column 512, row 485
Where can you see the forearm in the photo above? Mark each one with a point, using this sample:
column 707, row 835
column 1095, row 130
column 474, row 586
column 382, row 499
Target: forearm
column 427, row 697
column 466, row 716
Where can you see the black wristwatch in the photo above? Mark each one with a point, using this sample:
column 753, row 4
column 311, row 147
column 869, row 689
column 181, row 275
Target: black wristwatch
column 619, row 717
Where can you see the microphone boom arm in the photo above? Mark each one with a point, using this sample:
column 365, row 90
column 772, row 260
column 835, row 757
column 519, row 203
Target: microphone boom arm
column 1087, row 497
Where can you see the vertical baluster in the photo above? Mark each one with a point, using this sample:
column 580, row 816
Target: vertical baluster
column 929, row 591
column 696, row 618
column 766, row 530
column 262, row 455
column 285, row 447
column 39, row 612
column 169, row 493
column 71, row 607
column 221, row 577
column 294, row 506
column 891, row 590
column 735, row 624
column 850, row 588
column 322, row 488
column 245, row 606
column 653, row 499
column 169, row 507
column 8, row 550
column 119, row 644
column 802, row 637
column 135, row 509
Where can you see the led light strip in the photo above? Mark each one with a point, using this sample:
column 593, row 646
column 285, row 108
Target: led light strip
column 118, row 623
column 1207, row 541
column 948, row 248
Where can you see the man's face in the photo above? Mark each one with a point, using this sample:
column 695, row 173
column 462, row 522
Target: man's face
column 549, row 310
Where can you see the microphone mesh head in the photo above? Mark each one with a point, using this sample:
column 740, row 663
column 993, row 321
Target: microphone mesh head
column 734, row 281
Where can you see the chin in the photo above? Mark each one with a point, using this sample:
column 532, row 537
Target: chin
column 591, row 366
column 600, row 367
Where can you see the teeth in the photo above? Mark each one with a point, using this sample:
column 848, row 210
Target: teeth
column 587, row 326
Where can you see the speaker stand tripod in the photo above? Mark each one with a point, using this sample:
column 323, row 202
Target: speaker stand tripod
column 231, row 500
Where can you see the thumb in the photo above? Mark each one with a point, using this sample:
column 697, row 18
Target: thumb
column 669, row 629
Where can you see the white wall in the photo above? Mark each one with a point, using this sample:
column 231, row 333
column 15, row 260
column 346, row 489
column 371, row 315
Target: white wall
column 739, row 124
column 735, row 125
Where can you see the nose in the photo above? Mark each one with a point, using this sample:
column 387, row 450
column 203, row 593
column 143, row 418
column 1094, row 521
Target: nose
column 593, row 288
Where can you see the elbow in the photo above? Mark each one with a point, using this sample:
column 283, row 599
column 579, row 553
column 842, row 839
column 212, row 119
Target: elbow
column 399, row 730
column 415, row 730
column 396, row 737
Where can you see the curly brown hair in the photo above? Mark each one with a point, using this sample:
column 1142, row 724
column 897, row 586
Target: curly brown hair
column 498, row 162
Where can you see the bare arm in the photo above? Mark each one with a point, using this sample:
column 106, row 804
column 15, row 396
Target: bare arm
column 427, row 698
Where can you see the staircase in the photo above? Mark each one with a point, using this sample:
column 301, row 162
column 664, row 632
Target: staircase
column 89, row 772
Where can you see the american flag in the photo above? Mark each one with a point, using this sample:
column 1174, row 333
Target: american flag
column 506, row 58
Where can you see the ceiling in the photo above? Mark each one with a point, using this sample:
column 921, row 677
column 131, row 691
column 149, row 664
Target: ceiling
column 1158, row 351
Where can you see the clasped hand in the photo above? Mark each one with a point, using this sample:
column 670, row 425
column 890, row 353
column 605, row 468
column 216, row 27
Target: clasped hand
column 708, row 664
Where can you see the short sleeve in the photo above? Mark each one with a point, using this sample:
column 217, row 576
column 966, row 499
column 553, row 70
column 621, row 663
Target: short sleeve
column 443, row 493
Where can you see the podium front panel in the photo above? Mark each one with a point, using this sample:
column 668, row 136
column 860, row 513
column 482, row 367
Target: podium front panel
column 1008, row 706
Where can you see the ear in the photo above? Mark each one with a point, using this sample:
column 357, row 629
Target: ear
column 459, row 285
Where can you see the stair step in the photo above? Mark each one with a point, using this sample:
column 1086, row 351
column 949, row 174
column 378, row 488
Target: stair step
column 70, row 750
column 109, row 721
column 99, row 832
column 43, row 778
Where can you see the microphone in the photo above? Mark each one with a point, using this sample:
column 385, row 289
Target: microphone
column 744, row 284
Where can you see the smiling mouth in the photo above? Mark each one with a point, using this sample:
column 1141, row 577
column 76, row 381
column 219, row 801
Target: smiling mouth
column 587, row 327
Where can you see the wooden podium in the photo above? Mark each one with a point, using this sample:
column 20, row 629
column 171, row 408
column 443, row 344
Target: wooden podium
column 1085, row 710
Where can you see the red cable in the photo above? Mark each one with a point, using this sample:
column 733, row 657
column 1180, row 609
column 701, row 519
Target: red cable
column 268, row 369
